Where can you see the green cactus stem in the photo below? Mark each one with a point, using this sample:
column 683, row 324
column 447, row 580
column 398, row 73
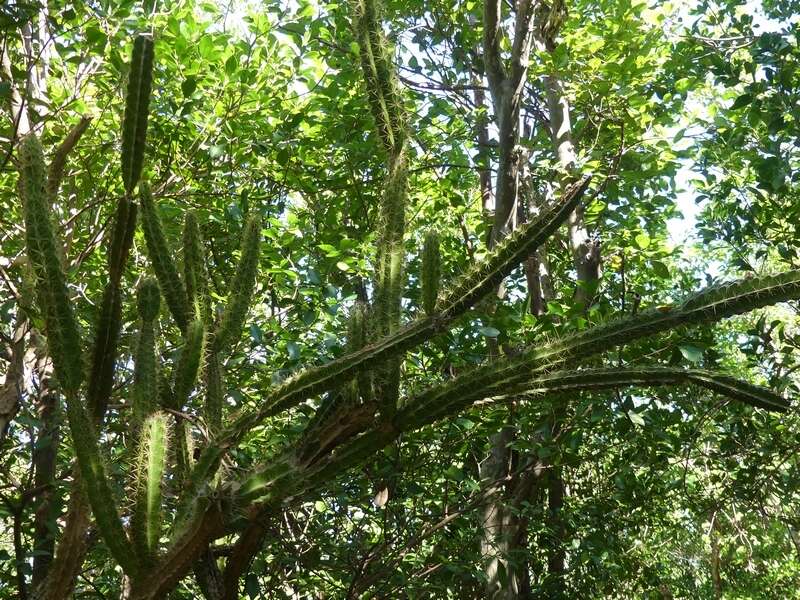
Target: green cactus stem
column 431, row 272
column 150, row 466
column 63, row 335
column 137, row 102
column 195, row 275
column 241, row 290
column 188, row 366
column 145, row 378
column 160, row 255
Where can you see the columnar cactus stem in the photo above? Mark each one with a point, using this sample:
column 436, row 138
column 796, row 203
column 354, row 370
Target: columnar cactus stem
column 195, row 275
column 63, row 336
column 150, row 466
column 145, row 379
column 161, row 258
column 64, row 344
column 137, row 102
column 188, row 365
column 241, row 290
column 431, row 272
column 387, row 109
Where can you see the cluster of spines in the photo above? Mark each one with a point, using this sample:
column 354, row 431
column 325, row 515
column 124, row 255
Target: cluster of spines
column 137, row 102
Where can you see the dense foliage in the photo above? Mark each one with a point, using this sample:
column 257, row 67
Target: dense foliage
column 421, row 300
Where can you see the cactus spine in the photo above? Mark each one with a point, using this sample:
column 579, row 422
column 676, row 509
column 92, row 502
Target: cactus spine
column 241, row 291
column 145, row 386
column 161, row 258
column 151, row 463
column 431, row 272
column 137, row 102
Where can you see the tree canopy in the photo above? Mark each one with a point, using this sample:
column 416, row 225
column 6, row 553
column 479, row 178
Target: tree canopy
column 399, row 300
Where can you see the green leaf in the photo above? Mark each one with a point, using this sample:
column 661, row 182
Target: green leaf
column 490, row 332
column 251, row 586
column 691, row 353
column 660, row 269
column 642, row 240
column 636, row 418
column 188, row 86
column 742, row 101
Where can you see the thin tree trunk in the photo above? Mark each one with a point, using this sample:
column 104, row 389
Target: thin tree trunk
column 44, row 464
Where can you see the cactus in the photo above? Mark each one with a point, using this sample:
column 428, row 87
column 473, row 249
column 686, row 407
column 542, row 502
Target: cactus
column 431, row 272
column 214, row 389
column 150, row 465
column 137, row 102
column 428, row 409
column 195, row 276
column 376, row 62
column 241, row 290
column 184, row 449
column 63, row 335
column 145, row 386
column 188, row 365
column 161, row 258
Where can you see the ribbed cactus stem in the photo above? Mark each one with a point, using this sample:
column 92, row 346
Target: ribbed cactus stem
column 242, row 286
column 184, row 449
column 386, row 103
column 150, row 466
column 195, row 275
column 137, row 102
column 145, row 378
column 357, row 338
column 98, row 491
column 188, row 366
column 214, row 389
column 431, row 272
column 63, row 335
column 376, row 61
column 161, row 258
column 64, row 344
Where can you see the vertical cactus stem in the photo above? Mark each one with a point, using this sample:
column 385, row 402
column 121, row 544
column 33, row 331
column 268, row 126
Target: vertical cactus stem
column 61, row 326
column 150, row 466
column 214, row 389
column 98, row 491
column 431, row 272
column 109, row 323
column 137, row 103
column 241, row 290
column 195, row 276
column 145, row 378
column 184, row 449
column 160, row 256
column 188, row 365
